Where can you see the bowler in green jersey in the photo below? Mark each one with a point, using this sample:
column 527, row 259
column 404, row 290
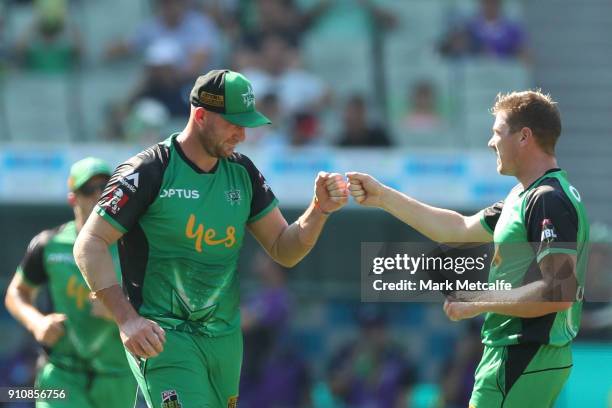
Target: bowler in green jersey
column 540, row 232
column 180, row 210
column 84, row 353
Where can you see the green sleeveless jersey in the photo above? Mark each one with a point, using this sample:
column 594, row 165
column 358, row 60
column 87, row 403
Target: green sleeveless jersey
column 90, row 343
column 183, row 229
column 547, row 217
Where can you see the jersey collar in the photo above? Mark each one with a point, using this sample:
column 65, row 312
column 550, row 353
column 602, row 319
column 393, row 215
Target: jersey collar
column 191, row 164
column 542, row 177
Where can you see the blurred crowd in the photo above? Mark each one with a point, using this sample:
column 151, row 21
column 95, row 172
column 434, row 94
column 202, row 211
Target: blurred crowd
column 177, row 40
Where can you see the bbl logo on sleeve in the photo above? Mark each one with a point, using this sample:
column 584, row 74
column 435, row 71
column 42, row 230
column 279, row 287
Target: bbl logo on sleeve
column 233, row 196
column 170, row 399
column 548, row 231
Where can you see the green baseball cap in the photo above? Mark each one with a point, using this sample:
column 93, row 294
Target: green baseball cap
column 229, row 94
column 85, row 169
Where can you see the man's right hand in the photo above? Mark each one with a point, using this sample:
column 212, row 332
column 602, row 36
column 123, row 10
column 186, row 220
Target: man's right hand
column 365, row 189
column 142, row 337
column 50, row 329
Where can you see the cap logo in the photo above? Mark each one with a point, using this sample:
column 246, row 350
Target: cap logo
column 209, row 99
column 248, row 98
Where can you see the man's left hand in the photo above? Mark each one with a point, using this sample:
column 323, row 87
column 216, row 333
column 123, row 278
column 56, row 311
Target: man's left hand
column 461, row 310
column 331, row 191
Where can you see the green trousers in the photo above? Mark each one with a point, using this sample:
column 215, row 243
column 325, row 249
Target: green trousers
column 524, row 375
column 86, row 389
column 192, row 371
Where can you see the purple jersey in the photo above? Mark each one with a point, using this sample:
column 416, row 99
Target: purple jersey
column 501, row 38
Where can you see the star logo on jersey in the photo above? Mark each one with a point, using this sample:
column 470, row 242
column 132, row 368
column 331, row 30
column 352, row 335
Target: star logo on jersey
column 248, row 98
column 193, row 318
column 233, row 196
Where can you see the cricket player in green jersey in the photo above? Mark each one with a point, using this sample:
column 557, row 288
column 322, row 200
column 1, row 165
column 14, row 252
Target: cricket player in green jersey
column 84, row 351
column 540, row 232
column 180, row 210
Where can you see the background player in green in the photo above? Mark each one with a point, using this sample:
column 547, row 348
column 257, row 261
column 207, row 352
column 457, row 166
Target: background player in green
column 540, row 233
column 180, row 210
column 84, row 352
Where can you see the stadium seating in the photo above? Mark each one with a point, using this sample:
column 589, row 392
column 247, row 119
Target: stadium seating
column 338, row 48
column 99, row 89
column 105, row 21
column 40, row 107
column 480, row 81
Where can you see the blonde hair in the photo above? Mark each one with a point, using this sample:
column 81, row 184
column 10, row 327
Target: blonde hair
column 532, row 109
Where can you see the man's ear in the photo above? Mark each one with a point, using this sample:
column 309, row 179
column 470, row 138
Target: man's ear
column 201, row 115
column 71, row 198
column 526, row 135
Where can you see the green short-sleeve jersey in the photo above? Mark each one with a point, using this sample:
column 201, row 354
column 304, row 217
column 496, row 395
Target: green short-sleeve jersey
column 545, row 218
column 90, row 343
column 183, row 230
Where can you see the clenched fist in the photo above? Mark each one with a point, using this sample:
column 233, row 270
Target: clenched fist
column 331, row 191
column 365, row 189
column 142, row 337
column 50, row 329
